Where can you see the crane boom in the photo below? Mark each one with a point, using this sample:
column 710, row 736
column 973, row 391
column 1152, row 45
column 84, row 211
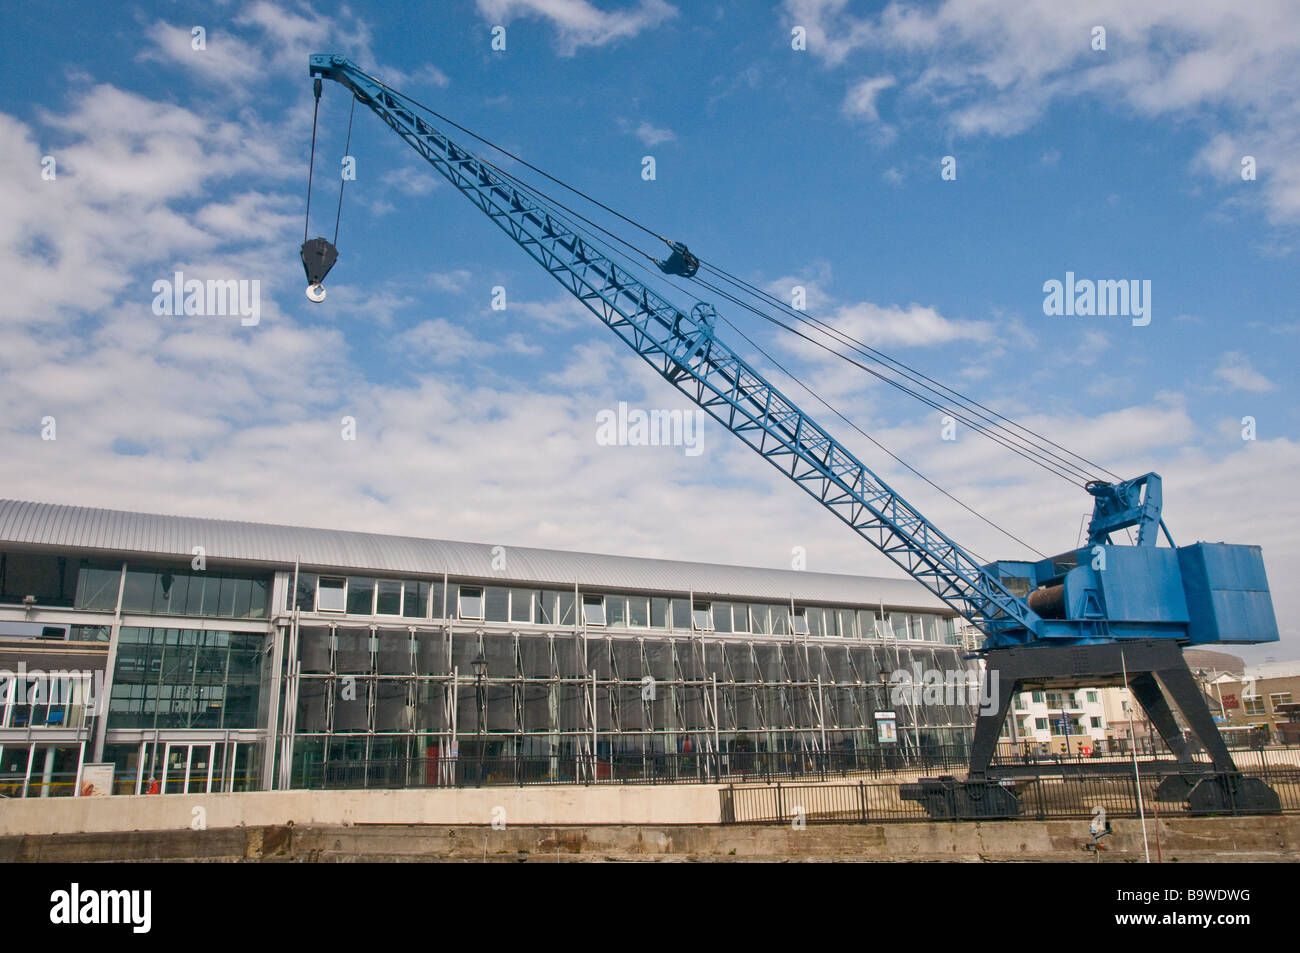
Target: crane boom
column 684, row 350
column 1064, row 600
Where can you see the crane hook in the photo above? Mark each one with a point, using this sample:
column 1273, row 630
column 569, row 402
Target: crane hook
column 318, row 257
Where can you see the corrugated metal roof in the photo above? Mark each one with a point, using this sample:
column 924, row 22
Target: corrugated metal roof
column 120, row 532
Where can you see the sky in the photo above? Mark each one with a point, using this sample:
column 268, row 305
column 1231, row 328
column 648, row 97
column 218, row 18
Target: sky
column 922, row 170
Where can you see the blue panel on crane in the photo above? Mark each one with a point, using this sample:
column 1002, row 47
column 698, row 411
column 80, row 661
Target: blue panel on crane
column 1227, row 594
column 1138, row 584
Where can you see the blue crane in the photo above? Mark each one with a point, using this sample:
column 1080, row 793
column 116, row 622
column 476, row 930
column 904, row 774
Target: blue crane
column 1119, row 612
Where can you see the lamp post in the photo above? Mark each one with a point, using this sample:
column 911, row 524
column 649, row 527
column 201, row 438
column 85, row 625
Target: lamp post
column 480, row 673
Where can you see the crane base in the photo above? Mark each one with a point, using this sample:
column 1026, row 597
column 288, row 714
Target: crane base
column 1220, row 793
column 947, row 799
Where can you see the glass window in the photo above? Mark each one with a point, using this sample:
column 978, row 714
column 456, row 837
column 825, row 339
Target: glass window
column 759, row 623
column 496, row 600
column 800, row 621
column 415, row 599
column 593, row 610
column 304, row 597
column 175, row 592
column 97, row 586
column 638, row 612
column 241, row 600
column 867, row 624
column 137, row 594
column 1040, row 724
column 568, row 609
column 438, row 604
column 1092, row 697
column 361, row 596
column 186, row 678
column 471, row 602
column 52, row 579
column 681, row 614
column 702, row 616
column 846, row 629
column 388, row 597
column 722, row 617
column 780, row 617
column 898, row 621
column 211, row 594
column 90, row 633
column 616, row 611
column 259, row 592
column 330, row 594
column 198, row 589
column 1096, row 722
column 547, row 608
column 658, row 612
column 521, row 605
column 1037, row 696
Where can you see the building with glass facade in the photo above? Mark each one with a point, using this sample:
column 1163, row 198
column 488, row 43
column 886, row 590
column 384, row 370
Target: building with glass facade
column 212, row 655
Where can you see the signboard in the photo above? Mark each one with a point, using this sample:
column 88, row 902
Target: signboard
column 1230, row 701
column 886, row 727
column 97, row 779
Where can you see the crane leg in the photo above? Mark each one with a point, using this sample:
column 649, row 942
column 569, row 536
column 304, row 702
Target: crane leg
column 1147, row 691
column 988, row 726
column 1181, row 687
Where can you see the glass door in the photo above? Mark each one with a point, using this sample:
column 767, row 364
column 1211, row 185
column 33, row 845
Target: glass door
column 187, row 768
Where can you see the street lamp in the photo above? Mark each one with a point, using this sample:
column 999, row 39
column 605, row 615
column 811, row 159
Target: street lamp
column 480, row 673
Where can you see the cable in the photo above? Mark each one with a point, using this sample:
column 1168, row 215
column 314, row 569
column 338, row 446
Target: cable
column 545, row 200
column 519, row 159
column 876, row 355
column 311, row 163
column 1062, row 462
column 1032, row 456
column 906, row 370
column 882, row 447
column 343, row 180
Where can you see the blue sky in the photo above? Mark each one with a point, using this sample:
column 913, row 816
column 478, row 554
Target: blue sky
column 818, row 167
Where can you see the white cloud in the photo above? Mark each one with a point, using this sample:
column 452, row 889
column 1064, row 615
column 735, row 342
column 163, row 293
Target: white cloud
column 411, row 179
column 996, row 69
column 439, row 342
column 578, row 22
column 1236, row 371
column 653, row 135
column 861, row 99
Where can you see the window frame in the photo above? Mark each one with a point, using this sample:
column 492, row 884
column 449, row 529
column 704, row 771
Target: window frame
column 460, row 603
column 594, row 600
column 532, row 602
column 342, row 591
column 401, row 596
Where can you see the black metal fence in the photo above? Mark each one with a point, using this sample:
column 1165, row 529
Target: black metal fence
column 469, row 770
column 1040, row 798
